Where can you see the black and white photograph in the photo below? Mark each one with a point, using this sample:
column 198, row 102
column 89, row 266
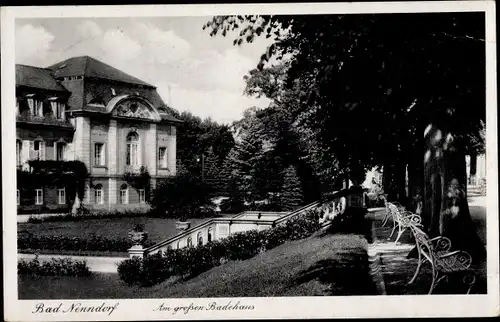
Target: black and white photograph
column 236, row 161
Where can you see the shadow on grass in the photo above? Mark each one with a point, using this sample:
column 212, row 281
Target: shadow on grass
column 346, row 274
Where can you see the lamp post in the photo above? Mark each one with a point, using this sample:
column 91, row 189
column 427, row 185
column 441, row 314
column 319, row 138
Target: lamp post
column 202, row 166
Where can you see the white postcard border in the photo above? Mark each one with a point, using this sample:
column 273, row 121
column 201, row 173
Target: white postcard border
column 292, row 307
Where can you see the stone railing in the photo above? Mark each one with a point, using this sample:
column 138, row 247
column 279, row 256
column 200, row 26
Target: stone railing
column 218, row 228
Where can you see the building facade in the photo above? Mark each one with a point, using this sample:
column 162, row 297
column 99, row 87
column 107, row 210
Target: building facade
column 82, row 109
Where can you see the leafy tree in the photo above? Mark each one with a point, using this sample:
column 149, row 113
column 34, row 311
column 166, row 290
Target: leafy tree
column 369, row 91
column 182, row 196
column 292, row 196
column 196, row 136
column 212, row 174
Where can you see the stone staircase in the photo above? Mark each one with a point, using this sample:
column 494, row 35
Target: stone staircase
column 475, row 191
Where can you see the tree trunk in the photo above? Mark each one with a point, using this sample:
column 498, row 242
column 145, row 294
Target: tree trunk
column 415, row 180
column 446, row 211
column 76, row 205
column 394, row 181
column 473, row 169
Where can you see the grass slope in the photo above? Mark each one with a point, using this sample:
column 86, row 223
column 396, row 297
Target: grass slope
column 320, row 265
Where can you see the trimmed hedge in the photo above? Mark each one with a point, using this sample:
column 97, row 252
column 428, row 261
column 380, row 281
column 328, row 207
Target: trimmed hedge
column 68, row 243
column 54, row 267
column 94, row 214
column 191, row 261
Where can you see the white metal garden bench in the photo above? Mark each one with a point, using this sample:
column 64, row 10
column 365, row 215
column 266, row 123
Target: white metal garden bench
column 444, row 262
column 401, row 219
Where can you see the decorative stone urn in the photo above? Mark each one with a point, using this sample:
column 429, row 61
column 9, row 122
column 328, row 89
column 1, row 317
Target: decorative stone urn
column 138, row 235
column 182, row 225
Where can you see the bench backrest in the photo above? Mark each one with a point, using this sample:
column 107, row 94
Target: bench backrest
column 437, row 251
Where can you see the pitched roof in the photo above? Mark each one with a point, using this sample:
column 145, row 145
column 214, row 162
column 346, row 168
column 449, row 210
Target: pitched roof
column 37, row 77
column 92, row 68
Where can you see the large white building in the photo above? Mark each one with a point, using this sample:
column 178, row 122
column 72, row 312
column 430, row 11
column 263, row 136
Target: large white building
column 82, row 109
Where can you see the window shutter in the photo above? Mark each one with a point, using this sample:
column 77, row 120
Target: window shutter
column 31, row 152
column 40, row 108
column 69, row 154
column 103, row 155
column 31, row 105
column 25, row 151
column 42, row 150
column 53, row 104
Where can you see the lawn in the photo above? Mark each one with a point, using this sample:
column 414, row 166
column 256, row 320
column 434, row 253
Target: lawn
column 316, row 266
column 158, row 228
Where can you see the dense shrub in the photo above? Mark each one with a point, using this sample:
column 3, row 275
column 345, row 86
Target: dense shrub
column 191, row 261
column 92, row 214
column 182, row 196
column 130, row 270
column 43, row 209
column 54, row 267
column 232, row 206
column 68, row 243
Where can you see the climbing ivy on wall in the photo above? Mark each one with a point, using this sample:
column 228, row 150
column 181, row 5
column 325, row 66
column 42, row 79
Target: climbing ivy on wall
column 141, row 180
column 72, row 175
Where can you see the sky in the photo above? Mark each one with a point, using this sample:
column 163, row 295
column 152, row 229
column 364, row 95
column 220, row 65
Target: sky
column 192, row 71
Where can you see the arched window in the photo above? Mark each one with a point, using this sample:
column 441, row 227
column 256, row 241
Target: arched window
column 98, row 191
column 210, row 230
column 133, row 149
column 199, row 237
column 124, row 194
column 178, row 244
column 190, row 242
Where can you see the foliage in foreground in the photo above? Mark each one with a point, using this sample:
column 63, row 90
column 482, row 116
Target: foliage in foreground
column 191, row 261
column 54, row 267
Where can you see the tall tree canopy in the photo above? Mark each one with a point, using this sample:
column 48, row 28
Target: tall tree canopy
column 370, row 86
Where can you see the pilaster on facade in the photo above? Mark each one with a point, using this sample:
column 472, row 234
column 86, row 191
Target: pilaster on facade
column 112, row 193
column 82, row 149
column 172, row 148
column 151, row 150
column 113, row 147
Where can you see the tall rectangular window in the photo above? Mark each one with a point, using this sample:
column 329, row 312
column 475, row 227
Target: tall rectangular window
column 98, row 194
column 142, row 196
column 38, row 196
column 36, row 149
column 60, row 151
column 18, row 197
column 162, row 157
column 132, row 154
column 61, row 196
column 124, row 196
column 99, row 154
